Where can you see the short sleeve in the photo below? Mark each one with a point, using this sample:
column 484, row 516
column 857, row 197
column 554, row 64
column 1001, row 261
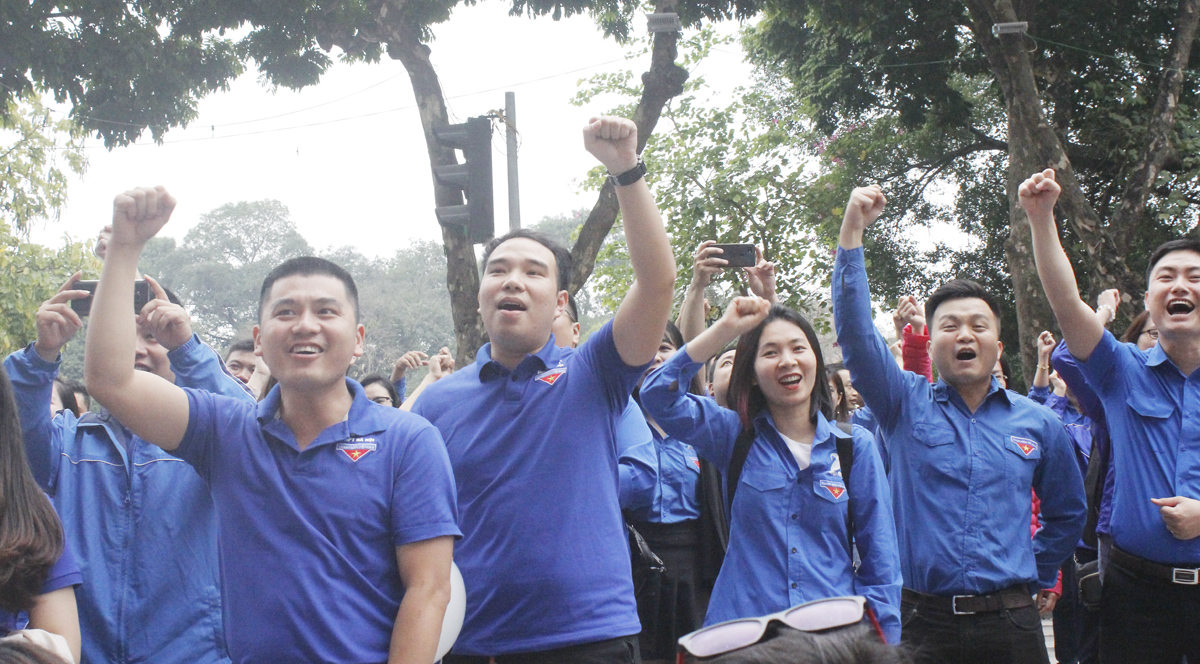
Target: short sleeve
column 424, row 497
column 65, row 571
column 1100, row 366
column 601, row 354
column 208, row 415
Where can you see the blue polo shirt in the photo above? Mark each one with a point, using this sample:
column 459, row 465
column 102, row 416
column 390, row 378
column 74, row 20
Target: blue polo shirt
column 544, row 552
column 961, row 480
column 1153, row 417
column 308, row 539
column 787, row 541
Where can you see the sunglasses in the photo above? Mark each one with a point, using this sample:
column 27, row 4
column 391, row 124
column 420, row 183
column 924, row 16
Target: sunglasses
column 815, row 616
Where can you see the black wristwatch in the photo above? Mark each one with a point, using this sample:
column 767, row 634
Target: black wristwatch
column 630, row 176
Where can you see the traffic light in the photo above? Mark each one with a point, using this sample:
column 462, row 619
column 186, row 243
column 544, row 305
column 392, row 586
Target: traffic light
column 473, row 176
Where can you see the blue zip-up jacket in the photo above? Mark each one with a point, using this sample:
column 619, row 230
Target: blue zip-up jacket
column 140, row 522
column 787, row 541
column 961, row 480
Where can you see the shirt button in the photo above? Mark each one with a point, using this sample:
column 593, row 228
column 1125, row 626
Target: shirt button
column 795, row 516
column 794, row 585
column 793, row 549
column 972, row 420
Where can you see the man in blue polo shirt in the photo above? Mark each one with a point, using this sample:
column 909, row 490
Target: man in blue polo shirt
column 336, row 516
column 530, row 429
column 1151, row 601
column 964, row 455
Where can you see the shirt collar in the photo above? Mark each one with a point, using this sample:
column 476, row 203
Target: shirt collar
column 824, row 429
column 1156, row 356
column 942, row 391
column 362, row 419
column 489, row 369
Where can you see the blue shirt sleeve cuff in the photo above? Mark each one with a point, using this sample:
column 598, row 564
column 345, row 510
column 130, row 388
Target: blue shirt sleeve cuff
column 36, row 361
column 184, row 353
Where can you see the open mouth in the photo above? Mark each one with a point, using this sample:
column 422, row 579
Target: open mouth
column 1178, row 306
column 791, row 380
column 306, row 349
column 510, row 305
column 965, row 354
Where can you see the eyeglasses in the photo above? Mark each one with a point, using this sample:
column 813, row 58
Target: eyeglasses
column 815, row 616
column 1153, row 333
column 383, row 401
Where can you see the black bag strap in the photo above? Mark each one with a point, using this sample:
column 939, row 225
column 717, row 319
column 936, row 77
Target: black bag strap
column 737, row 461
column 845, row 448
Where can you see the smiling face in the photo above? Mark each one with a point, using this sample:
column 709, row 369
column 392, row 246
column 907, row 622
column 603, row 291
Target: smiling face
column 307, row 334
column 785, row 366
column 519, row 298
column 1173, row 295
column 722, row 372
column 964, row 342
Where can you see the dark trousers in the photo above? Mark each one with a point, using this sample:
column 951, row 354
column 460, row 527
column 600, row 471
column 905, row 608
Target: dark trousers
column 1011, row 636
column 1147, row 621
column 622, row 650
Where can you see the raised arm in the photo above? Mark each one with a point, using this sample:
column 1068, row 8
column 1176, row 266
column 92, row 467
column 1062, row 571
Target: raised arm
column 865, row 352
column 1041, row 379
column 706, row 264
column 640, row 321
column 149, row 405
column 915, row 338
column 1080, row 327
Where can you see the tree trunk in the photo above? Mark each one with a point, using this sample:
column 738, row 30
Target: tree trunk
column 462, row 271
column 663, row 81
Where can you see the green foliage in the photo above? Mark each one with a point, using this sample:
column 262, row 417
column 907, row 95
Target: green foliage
column 29, row 275
column 37, row 154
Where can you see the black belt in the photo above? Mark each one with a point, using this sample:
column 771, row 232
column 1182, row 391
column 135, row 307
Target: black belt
column 1186, row 575
column 1016, row 597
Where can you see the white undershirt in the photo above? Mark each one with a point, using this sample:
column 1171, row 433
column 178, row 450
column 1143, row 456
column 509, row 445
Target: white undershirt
column 802, row 451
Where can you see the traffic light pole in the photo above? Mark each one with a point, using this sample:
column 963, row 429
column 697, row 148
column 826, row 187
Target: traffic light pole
column 510, row 130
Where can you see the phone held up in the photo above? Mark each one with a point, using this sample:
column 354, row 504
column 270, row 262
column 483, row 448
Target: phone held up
column 738, row 255
column 83, row 307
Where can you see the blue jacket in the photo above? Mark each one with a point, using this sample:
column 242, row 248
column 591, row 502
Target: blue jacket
column 140, row 522
column 787, row 542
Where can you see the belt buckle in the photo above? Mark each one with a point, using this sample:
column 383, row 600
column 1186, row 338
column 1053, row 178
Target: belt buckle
column 954, row 605
column 1185, row 576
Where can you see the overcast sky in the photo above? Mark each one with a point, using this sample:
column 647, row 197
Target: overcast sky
column 347, row 156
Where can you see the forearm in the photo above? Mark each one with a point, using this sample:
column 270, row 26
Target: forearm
column 710, row 342
column 1042, row 377
column 419, row 624
column 109, row 356
column 1080, row 327
column 408, row 403
column 639, row 323
column 691, row 312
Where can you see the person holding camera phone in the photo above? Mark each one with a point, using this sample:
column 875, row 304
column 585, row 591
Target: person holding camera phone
column 141, row 523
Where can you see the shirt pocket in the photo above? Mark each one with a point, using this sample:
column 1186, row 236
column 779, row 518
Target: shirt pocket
column 1023, row 455
column 934, row 454
column 762, row 499
column 1147, row 406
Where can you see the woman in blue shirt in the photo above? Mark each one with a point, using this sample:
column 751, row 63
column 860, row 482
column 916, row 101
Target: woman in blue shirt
column 674, row 604
column 790, row 521
column 37, row 573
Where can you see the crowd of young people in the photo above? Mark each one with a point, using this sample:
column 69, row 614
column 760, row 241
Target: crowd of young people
column 263, row 507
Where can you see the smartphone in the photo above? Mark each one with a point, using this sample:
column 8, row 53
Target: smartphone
column 83, row 307
column 738, row 255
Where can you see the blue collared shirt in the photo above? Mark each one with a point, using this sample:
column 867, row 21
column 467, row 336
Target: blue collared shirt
column 638, row 459
column 139, row 521
column 788, row 542
column 308, row 538
column 1091, row 407
column 544, row 554
column 1153, row 417
column 961, row 480
column 674, row 493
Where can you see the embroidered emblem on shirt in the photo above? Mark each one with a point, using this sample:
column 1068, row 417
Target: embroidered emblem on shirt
column 835, row 468
column 695, row 461
column 549, row 377
column 835, row 489
column 1027, row 446
column 356, row 450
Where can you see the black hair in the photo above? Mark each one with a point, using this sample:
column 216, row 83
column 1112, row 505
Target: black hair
column 67, row 396
column 387, row 385
column 31, row 537
column 307, row 266
column 1182, row 244
column 841, row 407
column 572, row 309
column 78, row 388
column 562, row 258
column 243, row 346
column 1006, row 371
column 1136, row 328
column 746, row 397
column 960, row 289
column 171, row 296
column 853, row 644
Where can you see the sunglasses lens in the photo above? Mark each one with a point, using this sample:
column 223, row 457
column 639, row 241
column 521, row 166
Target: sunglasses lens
column 724, row 637
column 826, row 614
